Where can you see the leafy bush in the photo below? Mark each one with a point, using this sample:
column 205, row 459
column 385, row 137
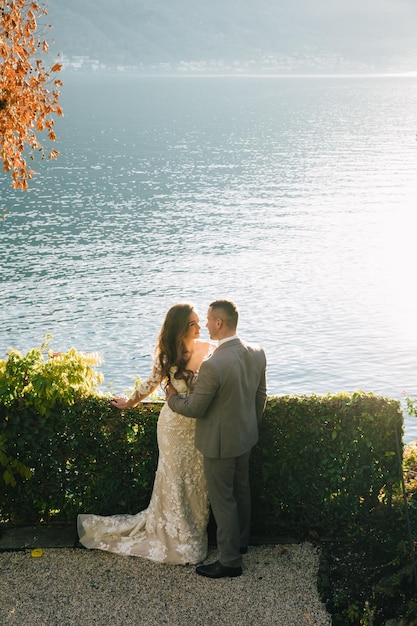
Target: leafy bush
column 10, row 465
column 371, row 578
column 33, row 385
column 322, row 461
column 39, row 382
column 88, row 457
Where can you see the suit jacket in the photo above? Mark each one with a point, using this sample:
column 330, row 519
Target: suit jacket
column 228, row 400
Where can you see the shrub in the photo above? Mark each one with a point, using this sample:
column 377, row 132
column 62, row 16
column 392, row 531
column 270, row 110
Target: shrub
column 322, row 461
column 33, row 385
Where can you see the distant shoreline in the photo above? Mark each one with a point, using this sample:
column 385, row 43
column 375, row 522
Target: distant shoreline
column 140, row 73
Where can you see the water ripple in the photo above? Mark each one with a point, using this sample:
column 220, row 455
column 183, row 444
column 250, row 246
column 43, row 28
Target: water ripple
column 295, row 198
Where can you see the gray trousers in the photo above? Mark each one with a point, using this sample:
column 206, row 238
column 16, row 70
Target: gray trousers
column 230, row 500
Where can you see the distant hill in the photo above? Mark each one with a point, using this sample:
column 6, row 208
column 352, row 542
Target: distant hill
column 152, row 32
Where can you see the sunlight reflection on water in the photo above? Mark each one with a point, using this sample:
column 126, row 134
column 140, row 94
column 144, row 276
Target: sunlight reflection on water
column 296, row 199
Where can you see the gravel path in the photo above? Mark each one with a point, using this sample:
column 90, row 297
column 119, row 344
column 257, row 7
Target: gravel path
column 77, row 587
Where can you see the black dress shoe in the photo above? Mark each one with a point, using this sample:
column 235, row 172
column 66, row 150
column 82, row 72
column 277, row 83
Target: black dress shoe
column 217, row 570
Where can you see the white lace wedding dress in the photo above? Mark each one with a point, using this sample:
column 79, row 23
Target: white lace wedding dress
column 173, row 529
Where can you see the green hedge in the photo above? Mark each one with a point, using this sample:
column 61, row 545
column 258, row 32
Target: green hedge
column 322, row 462
column 84, row 457
column 325, row 462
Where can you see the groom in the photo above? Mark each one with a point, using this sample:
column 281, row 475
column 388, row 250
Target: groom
column 228, row 402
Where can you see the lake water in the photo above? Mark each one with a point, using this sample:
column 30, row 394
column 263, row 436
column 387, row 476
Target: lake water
column 295, row 197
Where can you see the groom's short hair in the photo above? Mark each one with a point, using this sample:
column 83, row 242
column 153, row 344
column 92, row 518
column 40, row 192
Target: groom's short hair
column 227, row 310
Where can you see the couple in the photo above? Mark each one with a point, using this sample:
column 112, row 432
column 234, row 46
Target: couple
column 201, row 459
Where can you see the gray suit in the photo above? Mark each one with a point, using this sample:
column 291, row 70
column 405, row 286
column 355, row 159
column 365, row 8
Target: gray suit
column 228, row 401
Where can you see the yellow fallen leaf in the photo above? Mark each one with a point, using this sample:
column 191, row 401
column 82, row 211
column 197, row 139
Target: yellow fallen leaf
column 36, row 552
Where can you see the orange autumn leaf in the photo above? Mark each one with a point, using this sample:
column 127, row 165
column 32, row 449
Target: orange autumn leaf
column 27, row 101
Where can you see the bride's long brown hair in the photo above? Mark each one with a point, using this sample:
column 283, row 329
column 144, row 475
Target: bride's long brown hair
column 171, row 349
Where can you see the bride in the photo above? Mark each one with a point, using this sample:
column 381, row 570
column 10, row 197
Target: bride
column 173, row 529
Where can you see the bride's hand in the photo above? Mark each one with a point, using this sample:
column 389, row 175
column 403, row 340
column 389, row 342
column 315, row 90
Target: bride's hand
column 169, row 391
column 120, row 402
